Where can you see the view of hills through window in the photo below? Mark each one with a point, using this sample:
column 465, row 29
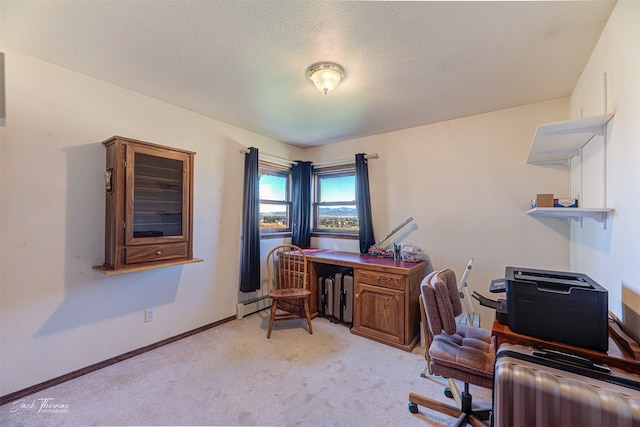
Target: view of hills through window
column 336, row 208
column 274, row 206
column 337, row 205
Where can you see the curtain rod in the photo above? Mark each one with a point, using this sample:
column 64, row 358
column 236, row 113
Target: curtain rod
column 371, row 156
column 271, row 157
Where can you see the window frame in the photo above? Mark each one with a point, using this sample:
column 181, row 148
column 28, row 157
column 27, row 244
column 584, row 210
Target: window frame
column 268, row 168
column 331, row 172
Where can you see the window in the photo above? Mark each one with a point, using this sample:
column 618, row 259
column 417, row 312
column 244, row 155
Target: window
column 334, row 207
column 275, row 200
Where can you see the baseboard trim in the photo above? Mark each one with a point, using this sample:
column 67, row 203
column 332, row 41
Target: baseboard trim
column 249, row 307
column 11, row 397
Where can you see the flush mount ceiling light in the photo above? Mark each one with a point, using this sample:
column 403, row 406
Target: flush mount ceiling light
column 326, row 76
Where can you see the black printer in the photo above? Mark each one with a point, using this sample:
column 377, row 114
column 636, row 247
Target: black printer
column 560, row 306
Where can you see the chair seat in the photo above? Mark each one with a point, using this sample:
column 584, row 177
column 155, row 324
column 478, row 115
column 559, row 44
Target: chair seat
column 289, row 293
column 470, row 350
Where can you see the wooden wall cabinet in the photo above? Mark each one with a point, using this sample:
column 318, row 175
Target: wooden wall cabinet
column 149, row 206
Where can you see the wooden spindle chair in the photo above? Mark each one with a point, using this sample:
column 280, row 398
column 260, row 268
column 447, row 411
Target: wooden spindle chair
column 288, row 285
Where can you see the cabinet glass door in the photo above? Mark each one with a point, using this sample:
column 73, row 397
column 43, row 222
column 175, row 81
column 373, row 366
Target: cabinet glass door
column 158, row 189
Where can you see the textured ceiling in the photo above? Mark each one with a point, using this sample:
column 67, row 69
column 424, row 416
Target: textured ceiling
column 243, row 62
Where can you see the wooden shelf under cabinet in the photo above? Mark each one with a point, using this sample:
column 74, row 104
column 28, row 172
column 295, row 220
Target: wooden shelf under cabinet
column 142, row 267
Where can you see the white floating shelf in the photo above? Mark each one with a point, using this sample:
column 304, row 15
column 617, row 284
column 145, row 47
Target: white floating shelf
column 597, row 214
column 558, row 142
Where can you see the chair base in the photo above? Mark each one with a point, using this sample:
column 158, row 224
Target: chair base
column 469, row 416
column 289, row 316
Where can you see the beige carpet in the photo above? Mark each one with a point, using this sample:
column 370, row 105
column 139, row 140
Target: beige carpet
column 233, row 375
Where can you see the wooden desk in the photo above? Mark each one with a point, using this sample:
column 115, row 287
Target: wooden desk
column 385, row 303
column 616, row 357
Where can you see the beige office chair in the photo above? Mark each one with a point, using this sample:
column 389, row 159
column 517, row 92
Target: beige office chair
column 462, row 352
column 288, row 287
column 469, row 316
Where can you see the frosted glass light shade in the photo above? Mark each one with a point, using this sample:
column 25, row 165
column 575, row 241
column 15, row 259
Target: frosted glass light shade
column 325, row 76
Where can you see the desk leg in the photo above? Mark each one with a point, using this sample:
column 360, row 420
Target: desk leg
column 312, row 277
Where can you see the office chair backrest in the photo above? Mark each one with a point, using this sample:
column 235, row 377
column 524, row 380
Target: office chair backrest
column 442, row 301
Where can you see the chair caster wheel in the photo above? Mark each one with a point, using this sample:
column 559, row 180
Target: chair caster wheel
column 448, row 393
column 413, row 408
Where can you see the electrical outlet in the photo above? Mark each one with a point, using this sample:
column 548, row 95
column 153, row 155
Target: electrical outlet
column 148, row 315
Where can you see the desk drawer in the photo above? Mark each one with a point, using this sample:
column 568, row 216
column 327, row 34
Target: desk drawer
column 385, row 280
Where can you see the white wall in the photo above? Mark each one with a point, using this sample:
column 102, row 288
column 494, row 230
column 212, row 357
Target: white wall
column 609, row 173
column 467, row 186
column 56, row 313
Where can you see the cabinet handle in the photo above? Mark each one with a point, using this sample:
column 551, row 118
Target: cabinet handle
column 159, row 253
column 357, row 295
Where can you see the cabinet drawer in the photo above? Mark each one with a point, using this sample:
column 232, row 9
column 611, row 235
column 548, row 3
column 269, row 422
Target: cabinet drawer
column 385, row 280
column 150, row 253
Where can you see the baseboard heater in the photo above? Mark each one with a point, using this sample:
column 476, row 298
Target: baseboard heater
column 248, row 307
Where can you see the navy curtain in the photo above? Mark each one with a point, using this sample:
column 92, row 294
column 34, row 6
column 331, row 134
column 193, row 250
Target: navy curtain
column 250, row 262
column 301, row 198
column 363, row 203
